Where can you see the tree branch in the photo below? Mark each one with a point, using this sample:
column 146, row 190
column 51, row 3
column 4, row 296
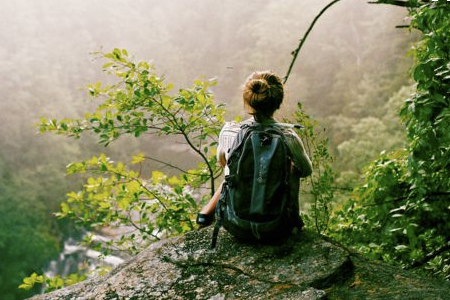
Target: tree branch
column 394, row 2
column 303, row 39
column 182, row 131
column 171, row 166
column 140, row 229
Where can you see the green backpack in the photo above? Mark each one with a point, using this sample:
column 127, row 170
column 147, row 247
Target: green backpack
column 258, row 201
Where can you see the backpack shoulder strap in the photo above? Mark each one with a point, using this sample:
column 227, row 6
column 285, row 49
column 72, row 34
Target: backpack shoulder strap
column 219, row 214
column 240, row 137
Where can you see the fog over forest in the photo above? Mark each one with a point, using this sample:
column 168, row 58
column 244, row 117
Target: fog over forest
column 352, row 65
column 46, row 62
column 46, row 45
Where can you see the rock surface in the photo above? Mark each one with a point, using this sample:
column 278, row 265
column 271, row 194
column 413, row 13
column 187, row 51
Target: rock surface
column 305, row 267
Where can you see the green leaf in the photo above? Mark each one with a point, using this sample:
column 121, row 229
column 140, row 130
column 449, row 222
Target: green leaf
column 401, row 247
column 107, row 65
column 138, row 158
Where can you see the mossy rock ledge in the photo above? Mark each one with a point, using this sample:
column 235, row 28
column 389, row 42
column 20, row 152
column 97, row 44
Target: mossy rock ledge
column 306, row 266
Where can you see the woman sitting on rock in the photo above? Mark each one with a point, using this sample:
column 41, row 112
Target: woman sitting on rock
column 263, row 94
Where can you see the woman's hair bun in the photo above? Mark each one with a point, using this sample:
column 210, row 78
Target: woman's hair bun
column 258, row 86
column 263, row 93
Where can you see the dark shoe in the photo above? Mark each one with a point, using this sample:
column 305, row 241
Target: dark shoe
column 204, row 219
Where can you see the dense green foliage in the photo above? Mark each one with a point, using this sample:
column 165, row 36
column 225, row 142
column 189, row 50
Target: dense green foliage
column 28, row 236
column 318, row 189
column 401, row 212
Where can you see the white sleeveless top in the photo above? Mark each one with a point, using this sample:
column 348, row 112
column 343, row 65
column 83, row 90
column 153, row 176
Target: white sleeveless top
column 300, row 158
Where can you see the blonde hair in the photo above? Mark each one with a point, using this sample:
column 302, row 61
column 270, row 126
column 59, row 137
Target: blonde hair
column 263, row 93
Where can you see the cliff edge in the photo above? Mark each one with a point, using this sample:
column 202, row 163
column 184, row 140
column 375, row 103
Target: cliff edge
column 305, row 267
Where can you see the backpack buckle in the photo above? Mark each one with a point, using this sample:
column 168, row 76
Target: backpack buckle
column 230, row 180
column 265, row 140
